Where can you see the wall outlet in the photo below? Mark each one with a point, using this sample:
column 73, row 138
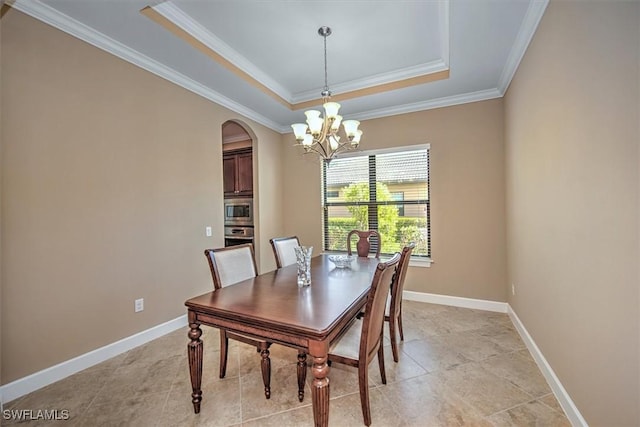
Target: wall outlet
column 138, row 305
column 207, row 231
column 513, row 289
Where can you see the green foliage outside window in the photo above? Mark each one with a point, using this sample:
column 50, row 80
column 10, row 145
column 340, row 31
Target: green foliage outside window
column 396, row 231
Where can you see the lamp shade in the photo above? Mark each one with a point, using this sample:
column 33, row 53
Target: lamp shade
column 299, row 130
column 307, row 140
column 351, row 127
column 331, row 109
column 336, row 123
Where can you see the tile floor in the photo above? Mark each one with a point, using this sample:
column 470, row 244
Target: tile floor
column 458, row 367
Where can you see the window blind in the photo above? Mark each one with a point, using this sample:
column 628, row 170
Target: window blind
column 387, row 192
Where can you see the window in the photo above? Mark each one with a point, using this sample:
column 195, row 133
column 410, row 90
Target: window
column 383, row 191
column 399, row 196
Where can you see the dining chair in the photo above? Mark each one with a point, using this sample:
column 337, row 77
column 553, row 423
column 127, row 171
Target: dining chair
column 229, row 266
column 369, row 331
column 393, row 312
column 283, row 250
column 363, row 246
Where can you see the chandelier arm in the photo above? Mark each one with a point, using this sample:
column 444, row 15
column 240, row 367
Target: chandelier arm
column 314, row 150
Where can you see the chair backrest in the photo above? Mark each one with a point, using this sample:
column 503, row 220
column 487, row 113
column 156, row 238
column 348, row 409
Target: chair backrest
column 232, row 264
column 363, row 246
column 373, row 319
column 397, row 284
column 283, row 250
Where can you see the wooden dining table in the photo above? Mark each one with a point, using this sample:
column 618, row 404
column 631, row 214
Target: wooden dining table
column 272, row 307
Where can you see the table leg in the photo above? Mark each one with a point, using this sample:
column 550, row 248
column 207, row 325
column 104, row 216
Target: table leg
column 320, row 386
column 302, row 374
column 194, row 350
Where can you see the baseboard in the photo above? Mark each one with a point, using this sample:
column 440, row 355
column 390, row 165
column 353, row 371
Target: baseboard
column 561, row 394
column 478, row 304
column 35, row 381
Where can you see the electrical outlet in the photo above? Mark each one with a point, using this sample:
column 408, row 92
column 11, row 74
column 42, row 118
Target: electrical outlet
column 138, row 305
column 207, row 231
column 513, row 289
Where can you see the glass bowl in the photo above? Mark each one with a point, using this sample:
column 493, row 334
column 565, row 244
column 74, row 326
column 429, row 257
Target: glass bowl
column 341, row 261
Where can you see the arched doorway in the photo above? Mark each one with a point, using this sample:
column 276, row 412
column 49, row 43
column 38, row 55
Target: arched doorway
column 237, row 166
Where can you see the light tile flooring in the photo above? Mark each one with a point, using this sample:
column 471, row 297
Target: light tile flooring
column 457, row 367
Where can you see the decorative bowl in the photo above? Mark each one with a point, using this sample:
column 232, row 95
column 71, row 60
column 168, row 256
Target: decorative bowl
column 341, row 261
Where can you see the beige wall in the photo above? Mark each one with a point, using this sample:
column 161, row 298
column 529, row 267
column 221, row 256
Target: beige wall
column 109, row 177
column 572, row 202
column 467, row 195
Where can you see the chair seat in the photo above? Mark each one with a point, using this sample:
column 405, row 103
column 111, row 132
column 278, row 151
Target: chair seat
column 348, row 345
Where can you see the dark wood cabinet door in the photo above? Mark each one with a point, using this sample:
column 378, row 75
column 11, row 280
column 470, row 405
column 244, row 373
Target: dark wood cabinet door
column 237, row 169
column 229, row 171
column 245, row 174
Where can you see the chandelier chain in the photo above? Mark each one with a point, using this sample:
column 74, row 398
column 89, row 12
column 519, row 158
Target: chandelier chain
column 326, row 84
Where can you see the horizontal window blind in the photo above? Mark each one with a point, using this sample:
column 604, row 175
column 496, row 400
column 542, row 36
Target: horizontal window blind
column 387, row 192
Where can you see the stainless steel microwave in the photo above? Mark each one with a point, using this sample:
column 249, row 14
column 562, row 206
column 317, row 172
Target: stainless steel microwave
column 238, row 212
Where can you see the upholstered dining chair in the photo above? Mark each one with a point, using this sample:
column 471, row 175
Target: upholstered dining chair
column 363, row 245
column 228, row 266
column 369, row 331
column 393, row 313
column 283, row 250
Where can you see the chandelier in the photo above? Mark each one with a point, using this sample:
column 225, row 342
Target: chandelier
column 320, row 134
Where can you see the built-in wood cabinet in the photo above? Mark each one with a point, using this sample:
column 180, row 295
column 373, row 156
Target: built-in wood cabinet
column 237, row 167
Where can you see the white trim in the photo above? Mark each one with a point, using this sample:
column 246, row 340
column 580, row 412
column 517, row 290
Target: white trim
column 559, row 391
column 178, row 17
column 527, row 30
column 375, row 80
column 478, row 304
column 51, row 16
column 37, row 380
column 448, row 101
column 420, row 262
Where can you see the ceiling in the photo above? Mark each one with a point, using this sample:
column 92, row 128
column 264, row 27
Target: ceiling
column 264, row 59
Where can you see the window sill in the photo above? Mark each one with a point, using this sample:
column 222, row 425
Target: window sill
column 413, row 262
column 420, row 262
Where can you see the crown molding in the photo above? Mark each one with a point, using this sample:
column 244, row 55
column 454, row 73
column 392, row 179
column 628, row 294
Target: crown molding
column 376, row 80
column 48, row 15
column 448, row 101
column 432, row 67
column 195, row 34
column 527, row 30
column 178, row 17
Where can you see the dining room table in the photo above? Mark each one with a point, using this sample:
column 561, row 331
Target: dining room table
column 272, row 307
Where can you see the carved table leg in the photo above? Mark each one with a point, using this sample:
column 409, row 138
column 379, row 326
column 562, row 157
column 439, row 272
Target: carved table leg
column 302, row 374
column 194, row 350
column 320, row 387
column 265, row 365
